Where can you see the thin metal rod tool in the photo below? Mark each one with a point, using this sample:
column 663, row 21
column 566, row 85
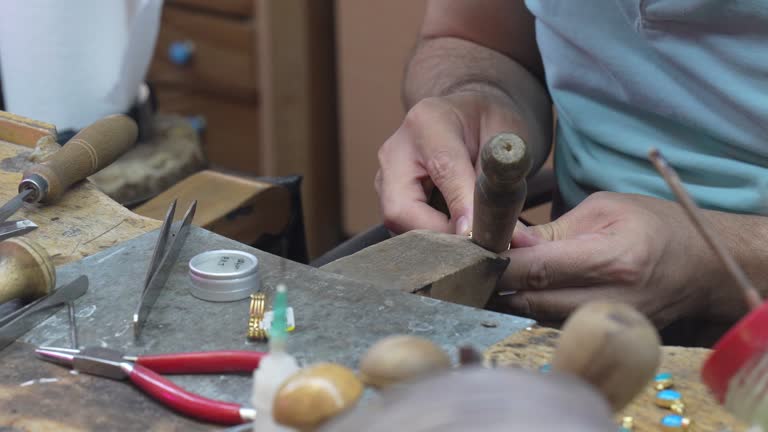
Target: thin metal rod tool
column 751, row 295
column 163, row 257
column 15, row 228
column 16, row 324
column 72, row 324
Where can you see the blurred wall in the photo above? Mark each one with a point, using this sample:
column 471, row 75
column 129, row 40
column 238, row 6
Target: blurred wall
column 374, row 41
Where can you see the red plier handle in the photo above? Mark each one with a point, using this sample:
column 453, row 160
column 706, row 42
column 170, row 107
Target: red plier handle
column 201, row 362
column 146, row 371
column 178, row 399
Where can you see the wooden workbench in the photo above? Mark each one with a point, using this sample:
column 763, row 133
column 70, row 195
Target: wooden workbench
column 87, row 221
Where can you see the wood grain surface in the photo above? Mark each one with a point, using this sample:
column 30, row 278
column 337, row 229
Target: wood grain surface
column 85, row 221
column 232, row 128
column 154, row 165
column 533, row 348
column 22, row 130
column 436, row 265
column 222, row 60
column 233, row 7
column 236, row 207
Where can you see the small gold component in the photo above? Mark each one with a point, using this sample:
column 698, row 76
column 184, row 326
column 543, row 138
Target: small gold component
column 627, row 424
column 677, row 407
column 256, row 316
column 258, row 304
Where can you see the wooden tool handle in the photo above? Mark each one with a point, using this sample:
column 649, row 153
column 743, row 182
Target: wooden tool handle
column 500, row 191
column 27, row 270
column 87, row 153
column 613, row 347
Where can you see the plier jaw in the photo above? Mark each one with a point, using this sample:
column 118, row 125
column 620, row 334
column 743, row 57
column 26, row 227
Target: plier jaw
column 97, row 361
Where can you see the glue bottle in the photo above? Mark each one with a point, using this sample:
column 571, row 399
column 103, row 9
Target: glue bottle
column 736, row 370
column 274, row 368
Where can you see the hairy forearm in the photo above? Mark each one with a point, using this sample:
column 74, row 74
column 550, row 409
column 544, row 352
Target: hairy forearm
column 746, row 237
column 446, row 65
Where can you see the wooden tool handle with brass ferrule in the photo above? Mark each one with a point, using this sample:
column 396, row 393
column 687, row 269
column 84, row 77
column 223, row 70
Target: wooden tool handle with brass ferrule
column 27, row 270
column 88, row 152
column 500, row 191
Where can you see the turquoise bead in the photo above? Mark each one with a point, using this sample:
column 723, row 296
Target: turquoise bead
column 545, row 368
column 675, row 422
column 663, row 381
column 668, row 395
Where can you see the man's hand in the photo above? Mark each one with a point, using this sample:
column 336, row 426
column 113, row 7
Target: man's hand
column 476, row 72
column 437, row 146
column 630, row 248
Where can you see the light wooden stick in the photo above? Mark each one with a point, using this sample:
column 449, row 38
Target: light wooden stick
column 751, row 296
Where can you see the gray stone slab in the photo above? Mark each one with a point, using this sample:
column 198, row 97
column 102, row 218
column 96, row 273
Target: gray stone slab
column 337, row 319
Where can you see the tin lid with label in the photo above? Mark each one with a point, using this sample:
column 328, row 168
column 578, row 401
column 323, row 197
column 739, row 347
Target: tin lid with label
column 224, row 275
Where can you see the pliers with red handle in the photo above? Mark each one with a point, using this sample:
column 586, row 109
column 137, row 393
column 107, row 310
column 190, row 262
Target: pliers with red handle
column 144, row 372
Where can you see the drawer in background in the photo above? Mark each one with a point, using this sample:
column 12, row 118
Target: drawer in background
column 221, row 57
column 232, row 137
column 233, row 7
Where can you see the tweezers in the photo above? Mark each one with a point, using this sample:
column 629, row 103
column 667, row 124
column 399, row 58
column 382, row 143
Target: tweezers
column 164, row 256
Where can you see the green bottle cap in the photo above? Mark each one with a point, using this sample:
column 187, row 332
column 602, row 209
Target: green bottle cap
column 278, row 332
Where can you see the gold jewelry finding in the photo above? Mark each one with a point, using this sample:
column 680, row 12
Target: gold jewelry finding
column 256, row 316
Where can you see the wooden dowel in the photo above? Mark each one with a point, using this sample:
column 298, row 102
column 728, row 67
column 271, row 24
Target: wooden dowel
column 751, row 295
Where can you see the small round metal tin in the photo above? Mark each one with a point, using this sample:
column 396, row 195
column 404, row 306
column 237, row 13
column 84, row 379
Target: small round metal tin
column 224, row 275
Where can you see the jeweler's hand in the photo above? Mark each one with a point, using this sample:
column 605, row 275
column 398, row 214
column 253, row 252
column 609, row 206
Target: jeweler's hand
column 630, row 248
column 437, row 146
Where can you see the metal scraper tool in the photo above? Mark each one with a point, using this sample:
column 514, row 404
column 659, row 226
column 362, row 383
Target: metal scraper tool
column 15, row 228
column 25, row 319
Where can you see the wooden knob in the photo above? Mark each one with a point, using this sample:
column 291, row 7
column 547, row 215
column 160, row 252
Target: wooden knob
column 613, row 347
column 88, row 152
column 315, row 394
column 27, row 270
column 500, row 191
column 399, row 358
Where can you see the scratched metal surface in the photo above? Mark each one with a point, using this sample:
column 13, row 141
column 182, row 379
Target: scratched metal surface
column 337, row 319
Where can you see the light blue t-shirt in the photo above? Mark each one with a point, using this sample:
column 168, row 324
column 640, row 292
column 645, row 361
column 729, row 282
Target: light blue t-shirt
column 687, row 76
